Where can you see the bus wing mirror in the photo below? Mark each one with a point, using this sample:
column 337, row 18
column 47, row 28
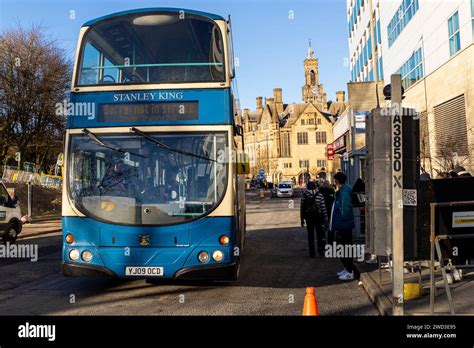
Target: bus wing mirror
column 243, row 164
column 238, row 130
column 231, row 47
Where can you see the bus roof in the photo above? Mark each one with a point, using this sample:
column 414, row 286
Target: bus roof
column 153, row 9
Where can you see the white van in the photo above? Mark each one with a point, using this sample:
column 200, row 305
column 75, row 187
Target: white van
column 285, row 189
column 10, row 216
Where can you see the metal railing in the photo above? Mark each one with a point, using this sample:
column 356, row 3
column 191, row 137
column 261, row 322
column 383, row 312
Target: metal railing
column 435, row 245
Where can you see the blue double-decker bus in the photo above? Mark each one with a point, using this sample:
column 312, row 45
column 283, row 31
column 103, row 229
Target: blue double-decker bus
column 151, row 184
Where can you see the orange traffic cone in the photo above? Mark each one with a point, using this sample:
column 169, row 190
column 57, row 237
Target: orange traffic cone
column 310, row 304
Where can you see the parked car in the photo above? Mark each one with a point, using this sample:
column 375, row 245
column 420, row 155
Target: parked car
column 10, row 216
column 285, row 189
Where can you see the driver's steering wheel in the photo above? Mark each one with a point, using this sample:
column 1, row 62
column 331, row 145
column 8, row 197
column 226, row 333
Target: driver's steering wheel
column 102, row 80
column 132, row 78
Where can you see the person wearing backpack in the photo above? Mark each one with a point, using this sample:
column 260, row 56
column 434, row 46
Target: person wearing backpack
column 313, row 212
column 328, row 193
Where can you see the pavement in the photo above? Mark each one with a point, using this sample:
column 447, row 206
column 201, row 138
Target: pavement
column 378, row 285
column 276, row 269
column 40, row 227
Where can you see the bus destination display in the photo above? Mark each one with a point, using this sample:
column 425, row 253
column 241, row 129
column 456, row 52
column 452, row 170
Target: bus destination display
column 162, row 111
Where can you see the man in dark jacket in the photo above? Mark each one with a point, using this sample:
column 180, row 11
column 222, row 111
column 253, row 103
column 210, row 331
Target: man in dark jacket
column 328, row 193
column 313, row 212
column 342, row 222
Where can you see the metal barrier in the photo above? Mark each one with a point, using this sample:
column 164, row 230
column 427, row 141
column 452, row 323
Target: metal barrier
column 434, row 244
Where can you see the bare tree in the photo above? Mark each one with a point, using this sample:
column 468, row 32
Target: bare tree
column 425, row 152
column 451, row 153
column 34, row 77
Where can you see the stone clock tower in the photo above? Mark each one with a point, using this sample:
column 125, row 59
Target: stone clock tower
column 312, row 90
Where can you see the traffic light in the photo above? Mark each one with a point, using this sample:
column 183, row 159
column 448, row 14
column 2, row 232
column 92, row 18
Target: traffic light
column 330, row 152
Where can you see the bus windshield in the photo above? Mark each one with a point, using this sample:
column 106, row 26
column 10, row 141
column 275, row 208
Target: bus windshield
column 152, row 179
column 152, row 48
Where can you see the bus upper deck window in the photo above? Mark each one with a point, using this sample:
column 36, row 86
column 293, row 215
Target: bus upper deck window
column 152, row 48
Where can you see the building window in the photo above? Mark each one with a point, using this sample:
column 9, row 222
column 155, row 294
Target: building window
column 454, row 35
column 402, row 17
column 311, row 121
column 412, row 70
column 285, row 145
column 321, row 138
column 302, row 138
column 321, row 163
column 318, row 120
column 378, row 37
column 380, row 68
column 303, row 122
column 304, row 164
column 354, row 16
column 312, row 77
column 287, row 165
column 472, row 16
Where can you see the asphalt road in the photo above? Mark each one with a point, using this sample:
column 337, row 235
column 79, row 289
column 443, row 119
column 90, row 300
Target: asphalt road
column 275, row 273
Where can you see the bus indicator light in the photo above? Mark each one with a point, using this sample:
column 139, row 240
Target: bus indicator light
column 224, row 240
column 69, row 238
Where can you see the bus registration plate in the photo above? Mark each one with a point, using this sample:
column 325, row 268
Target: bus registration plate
column 144, row 271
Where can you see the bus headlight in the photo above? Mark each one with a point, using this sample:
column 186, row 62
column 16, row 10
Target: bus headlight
column 86, row 256
column 203, row 256
column 218, row 256
column 74, row 254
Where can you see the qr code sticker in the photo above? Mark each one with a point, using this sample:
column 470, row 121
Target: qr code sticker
column 409, row 197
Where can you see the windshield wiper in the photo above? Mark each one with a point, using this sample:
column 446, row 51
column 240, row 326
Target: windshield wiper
column 160, row 144
column 110, row 147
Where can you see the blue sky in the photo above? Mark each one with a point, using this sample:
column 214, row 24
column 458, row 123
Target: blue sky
column 270, row 36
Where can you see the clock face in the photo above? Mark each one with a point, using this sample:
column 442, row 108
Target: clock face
column 314, row 90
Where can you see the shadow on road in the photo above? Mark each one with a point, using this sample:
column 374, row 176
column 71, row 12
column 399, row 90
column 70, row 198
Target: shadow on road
column 279, row 258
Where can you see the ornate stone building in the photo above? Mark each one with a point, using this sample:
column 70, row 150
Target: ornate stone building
column 288, row 141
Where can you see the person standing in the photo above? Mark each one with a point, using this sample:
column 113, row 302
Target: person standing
column 313, row 212
column 342, row 222
column 328, row 193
